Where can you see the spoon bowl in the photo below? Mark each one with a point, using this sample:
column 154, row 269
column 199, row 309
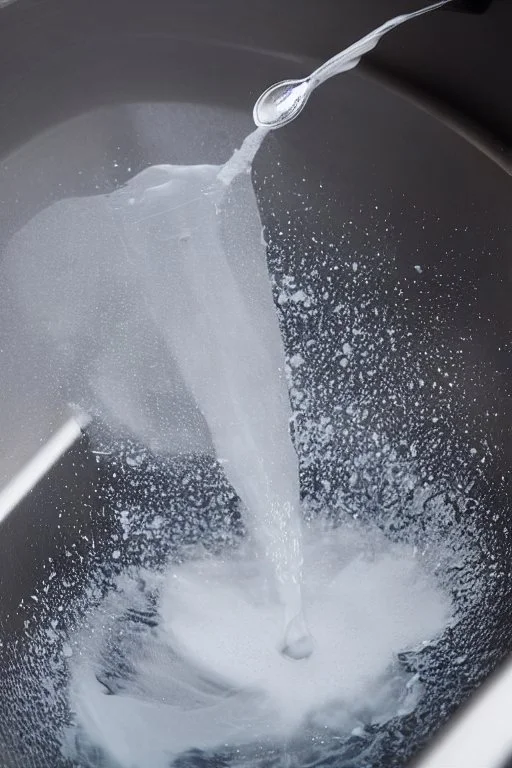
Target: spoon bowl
column 281, row 103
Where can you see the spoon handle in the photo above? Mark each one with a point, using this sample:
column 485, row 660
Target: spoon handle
column 350, row 57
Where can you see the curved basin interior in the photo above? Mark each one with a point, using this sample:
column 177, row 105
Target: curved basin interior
column 387, row 237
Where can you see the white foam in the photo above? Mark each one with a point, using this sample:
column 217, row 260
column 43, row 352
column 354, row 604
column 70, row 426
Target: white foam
column 212, row 676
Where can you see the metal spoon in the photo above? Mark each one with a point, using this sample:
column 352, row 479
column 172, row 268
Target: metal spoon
column 282, row 102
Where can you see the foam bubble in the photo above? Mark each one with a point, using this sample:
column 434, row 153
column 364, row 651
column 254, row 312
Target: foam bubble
column 210, row 673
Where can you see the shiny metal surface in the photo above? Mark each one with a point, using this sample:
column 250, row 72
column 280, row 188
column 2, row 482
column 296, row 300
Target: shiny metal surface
column 282, row 102
column 92, row 91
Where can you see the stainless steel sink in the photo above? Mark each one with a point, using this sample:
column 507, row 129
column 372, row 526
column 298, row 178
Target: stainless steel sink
column 409, row 154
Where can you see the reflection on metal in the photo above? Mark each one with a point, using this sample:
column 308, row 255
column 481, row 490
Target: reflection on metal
column 498, row 151
column 481, row 736
column 39, row 466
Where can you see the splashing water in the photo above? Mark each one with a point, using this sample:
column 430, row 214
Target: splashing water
column 172, row 327
column 209, row 675
column 189, row 241
column 213, row 304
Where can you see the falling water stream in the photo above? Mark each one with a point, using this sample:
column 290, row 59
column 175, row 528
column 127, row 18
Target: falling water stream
column 213, row 305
